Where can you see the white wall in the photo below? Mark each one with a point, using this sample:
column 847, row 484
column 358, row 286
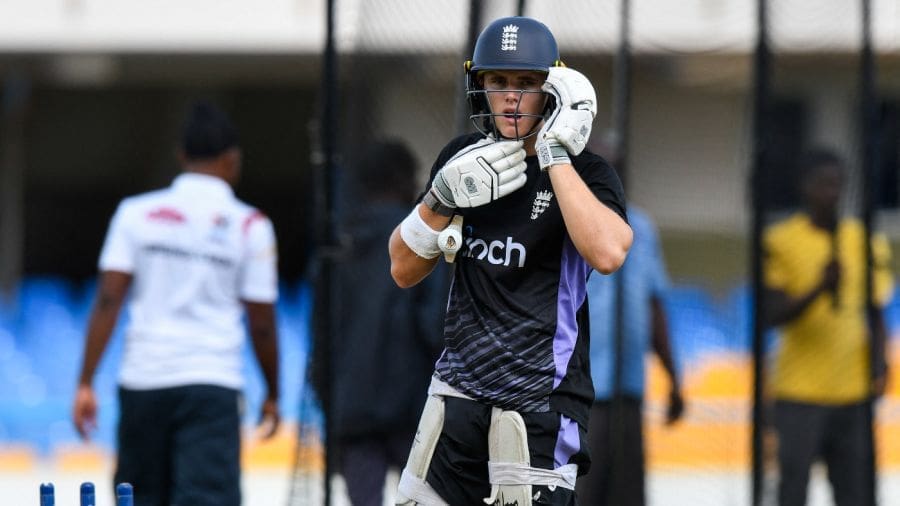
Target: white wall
column 297, row 26
column 689, row 159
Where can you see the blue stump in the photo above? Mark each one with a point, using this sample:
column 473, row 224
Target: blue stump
column 87, row 494
column 47, row 494
column 124, row 495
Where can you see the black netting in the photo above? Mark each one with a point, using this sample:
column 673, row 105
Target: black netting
column 690, row 161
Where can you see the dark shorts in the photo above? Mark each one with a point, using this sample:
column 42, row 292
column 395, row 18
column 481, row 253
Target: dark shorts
column 841, row 436
column 365, row 463
column 616, row 477
column 180, row 446
column 459, row 471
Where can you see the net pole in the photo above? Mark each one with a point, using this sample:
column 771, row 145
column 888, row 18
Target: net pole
column 621, row 112
column 869, row 131
column 327, row 243
column 869, row 144
column 15, row 98
column 472, row 31
column 621, row 105
column 761, row 98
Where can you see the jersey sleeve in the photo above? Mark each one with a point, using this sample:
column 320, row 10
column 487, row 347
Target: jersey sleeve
column 259, row 276
column 604, row 183
column 119, row 249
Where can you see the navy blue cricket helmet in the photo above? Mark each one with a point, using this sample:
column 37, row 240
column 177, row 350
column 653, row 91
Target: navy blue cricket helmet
column 512, row 43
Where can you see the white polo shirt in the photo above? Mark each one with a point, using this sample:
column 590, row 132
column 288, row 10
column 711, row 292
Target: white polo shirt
column 195, row 252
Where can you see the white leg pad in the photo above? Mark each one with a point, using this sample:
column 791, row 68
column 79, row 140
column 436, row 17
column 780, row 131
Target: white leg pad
column 413, row 489
column 508, row 444
column 509, row 469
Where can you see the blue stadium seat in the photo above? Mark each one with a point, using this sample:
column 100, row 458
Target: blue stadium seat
column 293, row 343
column 41, row 344
column 14, row 369
column 8, row 309
column 37, row 292
column 83, row 300
column 7, row 342
column 47, row 329
column 892, row 312
column 29, row 422
column 737, row 314
column 694, row 324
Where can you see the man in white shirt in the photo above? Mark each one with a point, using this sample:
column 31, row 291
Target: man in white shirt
column 195, row 259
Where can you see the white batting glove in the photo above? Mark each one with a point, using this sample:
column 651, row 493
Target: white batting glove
column 568, row 128
column 478, row 174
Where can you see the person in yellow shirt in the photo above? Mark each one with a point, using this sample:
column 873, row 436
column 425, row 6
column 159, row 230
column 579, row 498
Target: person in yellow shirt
column 830, row 362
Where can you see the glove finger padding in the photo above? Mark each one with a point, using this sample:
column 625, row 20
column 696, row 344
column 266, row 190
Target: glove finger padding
column 487, row 141
column 512, row 173
column 576, row 105
column 442, row 185
column 513, row 185
column 508, row 161
column 479, row 175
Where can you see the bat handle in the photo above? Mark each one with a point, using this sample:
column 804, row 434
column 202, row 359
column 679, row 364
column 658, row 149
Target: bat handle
column 450, row 239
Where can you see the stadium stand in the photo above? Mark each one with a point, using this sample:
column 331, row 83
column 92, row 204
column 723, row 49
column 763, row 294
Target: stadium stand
column 41, row 331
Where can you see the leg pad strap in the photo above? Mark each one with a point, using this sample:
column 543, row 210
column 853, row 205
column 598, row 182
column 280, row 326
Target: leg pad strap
column 509, row 469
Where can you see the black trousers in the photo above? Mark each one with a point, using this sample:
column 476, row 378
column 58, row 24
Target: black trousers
column 180, row 446
column 839, row 435
column 366, row 460
column 615, row 435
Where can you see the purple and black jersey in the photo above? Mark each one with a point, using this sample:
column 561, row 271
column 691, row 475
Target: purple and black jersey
column 516, row 333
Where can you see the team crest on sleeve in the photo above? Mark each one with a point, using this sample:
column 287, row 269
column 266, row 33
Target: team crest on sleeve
column 541, row 203
column 509, row 38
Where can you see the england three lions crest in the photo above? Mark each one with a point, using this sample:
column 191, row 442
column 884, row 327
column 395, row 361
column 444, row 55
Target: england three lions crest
column 510, row 38
column 541, row 203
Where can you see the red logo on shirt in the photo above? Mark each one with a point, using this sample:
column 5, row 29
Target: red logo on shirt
column 167, row 215
column 254, row 216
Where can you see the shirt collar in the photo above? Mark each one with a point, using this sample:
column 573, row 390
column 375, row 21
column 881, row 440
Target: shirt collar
column 195, row 183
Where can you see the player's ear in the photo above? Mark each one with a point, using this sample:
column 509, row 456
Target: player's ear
column 234, row 158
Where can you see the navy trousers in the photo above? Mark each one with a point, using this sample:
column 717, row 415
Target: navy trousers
column 180, row 446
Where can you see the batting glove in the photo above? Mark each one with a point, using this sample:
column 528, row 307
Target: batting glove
column 567, row 129
column 479, row 174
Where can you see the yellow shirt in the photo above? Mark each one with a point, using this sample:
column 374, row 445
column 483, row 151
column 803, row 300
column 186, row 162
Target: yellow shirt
column 824, row 354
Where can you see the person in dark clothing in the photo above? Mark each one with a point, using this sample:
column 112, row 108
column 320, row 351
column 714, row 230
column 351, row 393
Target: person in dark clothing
column 386, row 351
